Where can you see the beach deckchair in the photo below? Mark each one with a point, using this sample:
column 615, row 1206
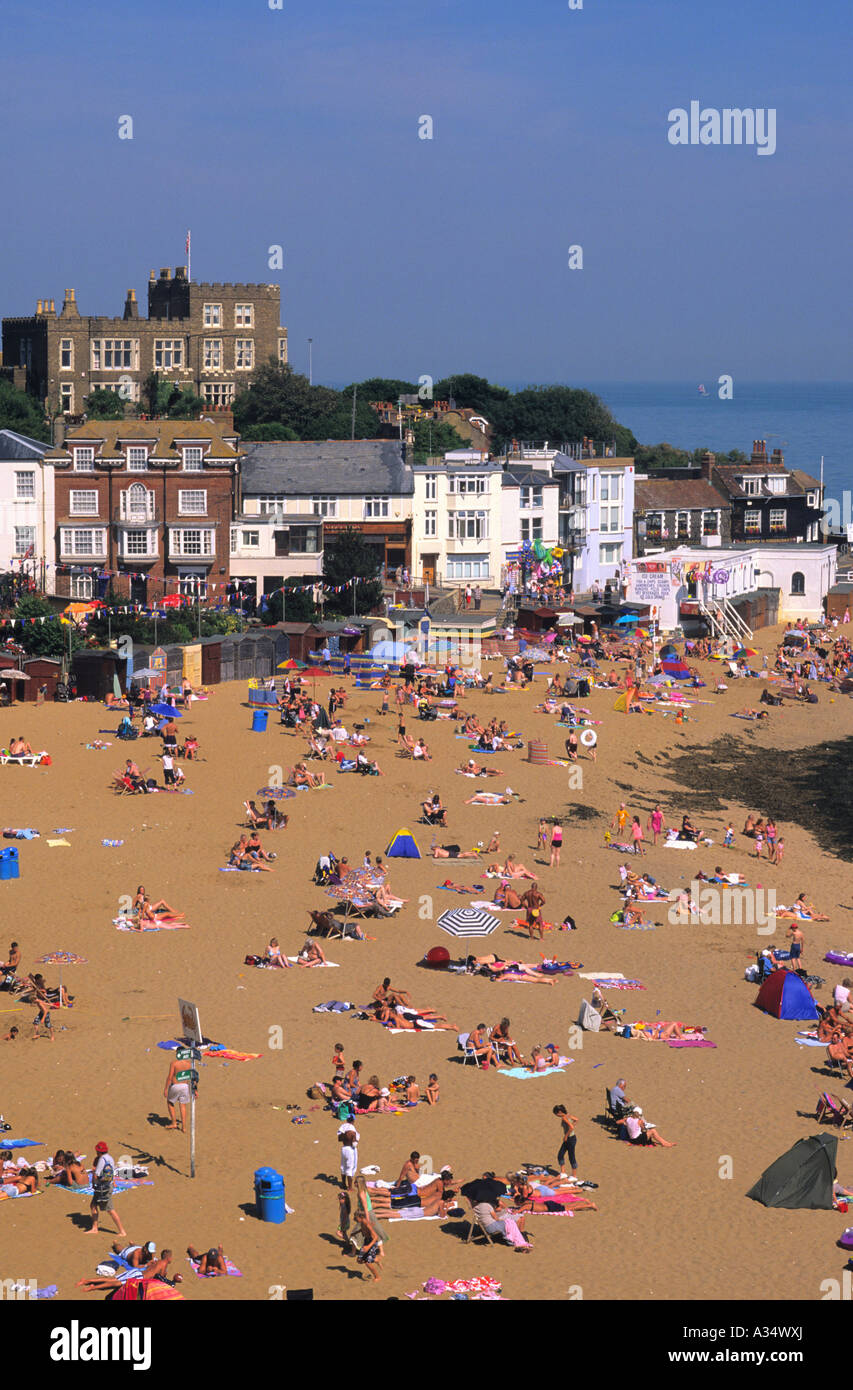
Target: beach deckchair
column 611, row 1115
column 476, row 1228
column 834, row 1109
column 468, row 1053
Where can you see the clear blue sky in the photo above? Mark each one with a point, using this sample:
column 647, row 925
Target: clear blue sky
column 404, row 256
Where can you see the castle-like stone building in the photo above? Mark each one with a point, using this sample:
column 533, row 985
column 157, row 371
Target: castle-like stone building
column 207, row 337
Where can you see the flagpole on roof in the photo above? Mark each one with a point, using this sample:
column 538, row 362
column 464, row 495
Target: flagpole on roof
column 189, row 256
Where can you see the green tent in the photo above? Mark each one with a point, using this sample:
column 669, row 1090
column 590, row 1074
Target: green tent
column 802, row 1178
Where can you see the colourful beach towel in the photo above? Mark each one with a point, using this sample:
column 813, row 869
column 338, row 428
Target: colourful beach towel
column 690, row 1042
column 122, row 925
column 21, row 1143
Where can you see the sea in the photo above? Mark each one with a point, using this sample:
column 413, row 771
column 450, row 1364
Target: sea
column 806, row 420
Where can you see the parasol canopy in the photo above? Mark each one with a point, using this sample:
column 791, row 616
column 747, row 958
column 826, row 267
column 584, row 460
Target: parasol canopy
column 167, row 711
column 468, row 921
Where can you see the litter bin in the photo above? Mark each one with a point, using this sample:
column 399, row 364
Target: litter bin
column 9, row 863
column 269, row 1195
column 259, row 721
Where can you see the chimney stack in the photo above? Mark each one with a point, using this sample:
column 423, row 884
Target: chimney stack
column 759, row 451
column 38, row 308
column 165, row 272
column 69, row 306
column 777, row 458
column 180, row 272
column 131, row 308
column 151, row 275
column 706, row 464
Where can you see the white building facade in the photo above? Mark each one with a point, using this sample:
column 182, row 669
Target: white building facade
column 687, row 582
column 596, row 517
column 27, row 509
column 530, row 522
column 457, row 521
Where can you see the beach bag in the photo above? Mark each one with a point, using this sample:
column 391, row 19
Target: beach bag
column 315, row 1093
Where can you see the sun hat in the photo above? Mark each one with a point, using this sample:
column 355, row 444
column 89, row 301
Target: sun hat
column 102, row 1148
column 384, row 1091
column 637, row 1110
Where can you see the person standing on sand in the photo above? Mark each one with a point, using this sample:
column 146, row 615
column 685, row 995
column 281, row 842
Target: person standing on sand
column 567, row 1147
column 103, row 1177
column 176, row 1093
column 637, row 836
column 656, row 824
column 798, row 941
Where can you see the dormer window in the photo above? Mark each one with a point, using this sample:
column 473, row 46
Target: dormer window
column 751, row 486
column 777, row 482
column 137, row 458
column 84, row 460
column 192, row 460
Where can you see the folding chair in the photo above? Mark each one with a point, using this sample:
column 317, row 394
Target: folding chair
column 476, row 1228
column 833, row 1108
column 468, row 1053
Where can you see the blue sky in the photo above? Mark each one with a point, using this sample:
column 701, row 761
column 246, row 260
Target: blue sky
column 404, row 256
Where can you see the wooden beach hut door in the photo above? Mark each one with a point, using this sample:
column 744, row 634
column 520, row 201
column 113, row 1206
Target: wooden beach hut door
column 428, row 566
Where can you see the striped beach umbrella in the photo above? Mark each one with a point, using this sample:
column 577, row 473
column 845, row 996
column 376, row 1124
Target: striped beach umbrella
column 468, row 921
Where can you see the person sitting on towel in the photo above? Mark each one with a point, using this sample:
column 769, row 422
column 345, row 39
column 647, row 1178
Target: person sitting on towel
column 640, row 1131
column 212, row 1262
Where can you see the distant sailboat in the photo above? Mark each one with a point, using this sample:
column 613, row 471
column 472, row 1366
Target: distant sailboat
column 702, row 391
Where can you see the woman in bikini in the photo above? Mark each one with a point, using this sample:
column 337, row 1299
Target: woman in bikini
column 274, row 956
column 512, row 869
column 160, row 908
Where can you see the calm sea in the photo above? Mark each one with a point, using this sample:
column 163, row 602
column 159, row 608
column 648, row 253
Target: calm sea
column 804, row 420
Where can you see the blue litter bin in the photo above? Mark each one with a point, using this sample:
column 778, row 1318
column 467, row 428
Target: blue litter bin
column 259, row 721
column 269, row 1195
column 9, row 863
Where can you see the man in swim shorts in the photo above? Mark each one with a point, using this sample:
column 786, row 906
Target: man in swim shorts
column 176, row 1093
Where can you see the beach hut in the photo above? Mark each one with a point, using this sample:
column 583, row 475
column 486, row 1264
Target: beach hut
column 802, row 1178
column 785, row 995
column 403, row 846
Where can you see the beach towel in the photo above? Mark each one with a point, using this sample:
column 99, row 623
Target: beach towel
column 228, row 1054
column 52, row 844
column 121, row 923
column 690, row 1042
column 119, row 1185
column 521, row 1074
column 21, row 1143
column 230, row 1267
column 333, row 1006
column 332, row 964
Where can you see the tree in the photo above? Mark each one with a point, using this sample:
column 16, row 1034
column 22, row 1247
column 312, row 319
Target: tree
column 104, row 405
column 269, row 431
column 182, row 624
column 560, row 414
column 471, row 392
column 21, row 412
column 280, row 396
column 166, row 398
column 282, row 399
column 382, row 388
column 433, row 437
column 348, row 556
column 657, row 456
column 294, row 608
column 47, row 638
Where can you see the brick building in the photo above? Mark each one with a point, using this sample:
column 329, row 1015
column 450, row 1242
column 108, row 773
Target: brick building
column 678, row 511
column 144, row 508
column 207, row 337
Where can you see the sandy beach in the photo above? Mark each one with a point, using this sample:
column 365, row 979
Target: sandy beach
column 670, row 1223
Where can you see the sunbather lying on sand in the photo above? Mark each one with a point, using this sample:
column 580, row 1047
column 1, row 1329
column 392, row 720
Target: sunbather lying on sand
column 453, row 852
column 660, row 1030
column 472, row 769
column 495, row 967
column 419, row 1020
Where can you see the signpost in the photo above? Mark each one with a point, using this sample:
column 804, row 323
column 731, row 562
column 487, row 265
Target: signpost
column 189, row 1055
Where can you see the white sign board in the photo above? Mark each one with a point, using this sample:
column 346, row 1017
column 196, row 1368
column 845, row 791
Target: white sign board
column 190, row 1022
column 651, row 587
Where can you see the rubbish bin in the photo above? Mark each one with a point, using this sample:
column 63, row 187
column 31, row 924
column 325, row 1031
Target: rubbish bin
column 269, row 1195
column 9, row 863
column 259, row 721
